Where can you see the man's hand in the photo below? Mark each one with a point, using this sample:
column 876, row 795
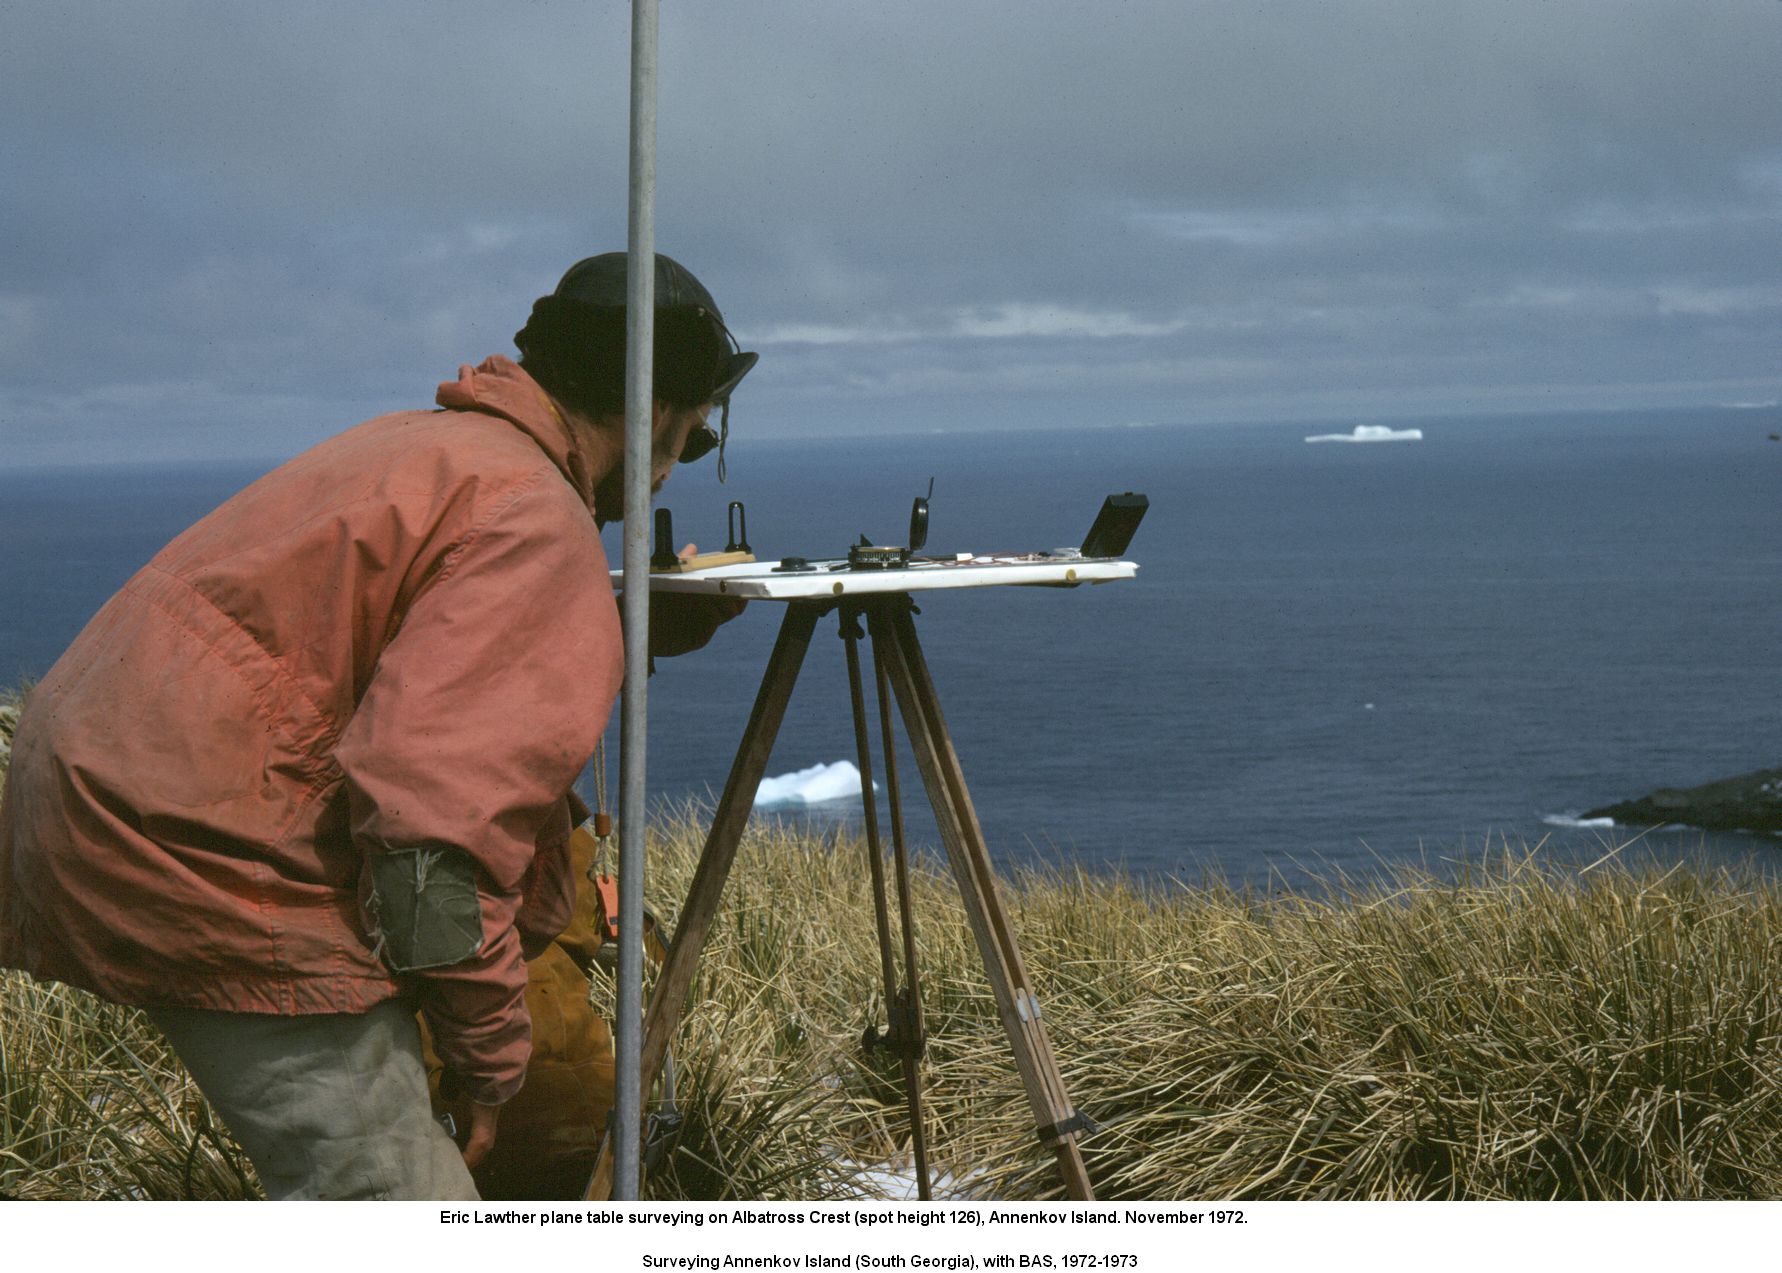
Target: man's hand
column 482, row 1132
column 682, row 622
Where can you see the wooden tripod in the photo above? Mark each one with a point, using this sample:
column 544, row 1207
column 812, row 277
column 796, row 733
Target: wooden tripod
column 898, row 654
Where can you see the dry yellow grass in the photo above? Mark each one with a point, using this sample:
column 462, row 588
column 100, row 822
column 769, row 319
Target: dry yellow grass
column 1520, row 1032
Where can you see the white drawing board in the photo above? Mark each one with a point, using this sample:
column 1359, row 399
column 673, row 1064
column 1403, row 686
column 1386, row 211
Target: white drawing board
column 759, row 581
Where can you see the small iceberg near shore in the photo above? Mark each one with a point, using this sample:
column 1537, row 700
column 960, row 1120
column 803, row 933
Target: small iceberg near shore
column 817, row 785
column 1370, row 433
column 1572, row 821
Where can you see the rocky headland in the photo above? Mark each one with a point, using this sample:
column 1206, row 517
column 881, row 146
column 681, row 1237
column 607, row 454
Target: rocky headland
column 1749, row 802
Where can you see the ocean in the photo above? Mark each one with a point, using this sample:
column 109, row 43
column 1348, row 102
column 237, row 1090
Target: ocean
column 1335, row 658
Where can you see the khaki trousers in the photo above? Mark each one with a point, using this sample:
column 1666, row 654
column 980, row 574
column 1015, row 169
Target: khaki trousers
column 327, row 1106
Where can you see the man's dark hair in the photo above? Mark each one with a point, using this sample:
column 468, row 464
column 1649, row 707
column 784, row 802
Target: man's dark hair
column 576, row 352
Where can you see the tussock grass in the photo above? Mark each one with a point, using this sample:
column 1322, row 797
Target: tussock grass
column 94, row 1105
column 1519, row 1032
column 10, row 706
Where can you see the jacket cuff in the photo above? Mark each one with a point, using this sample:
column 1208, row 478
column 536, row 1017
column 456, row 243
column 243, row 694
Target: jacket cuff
column 493, row 1091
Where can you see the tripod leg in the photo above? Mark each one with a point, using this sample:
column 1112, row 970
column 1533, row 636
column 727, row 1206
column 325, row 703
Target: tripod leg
column 900, row 1033
column 694, row 923
column 910, row 1001
column 850, row 630
column 1054, row 1116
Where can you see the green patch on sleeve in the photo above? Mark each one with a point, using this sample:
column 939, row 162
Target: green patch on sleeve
column 424, row 907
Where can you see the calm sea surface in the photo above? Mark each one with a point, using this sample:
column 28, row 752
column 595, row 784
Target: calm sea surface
column 1334, row 656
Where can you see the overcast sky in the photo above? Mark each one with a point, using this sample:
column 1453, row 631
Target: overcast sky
column 231, row 229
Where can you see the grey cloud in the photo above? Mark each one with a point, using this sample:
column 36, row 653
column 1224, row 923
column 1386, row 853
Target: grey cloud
column 220, row 213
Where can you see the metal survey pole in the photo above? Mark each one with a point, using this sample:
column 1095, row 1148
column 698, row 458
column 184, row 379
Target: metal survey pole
column 640, row 333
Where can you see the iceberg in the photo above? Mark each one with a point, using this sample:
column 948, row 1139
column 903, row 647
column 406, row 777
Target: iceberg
column 1573, row 822
column 1370, row 433
column 816, row 785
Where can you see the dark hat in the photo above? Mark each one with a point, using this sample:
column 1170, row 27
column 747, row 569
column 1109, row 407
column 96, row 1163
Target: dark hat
column 602, row 281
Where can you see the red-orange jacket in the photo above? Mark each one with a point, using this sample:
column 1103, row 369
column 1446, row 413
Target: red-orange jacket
column 404, row 637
